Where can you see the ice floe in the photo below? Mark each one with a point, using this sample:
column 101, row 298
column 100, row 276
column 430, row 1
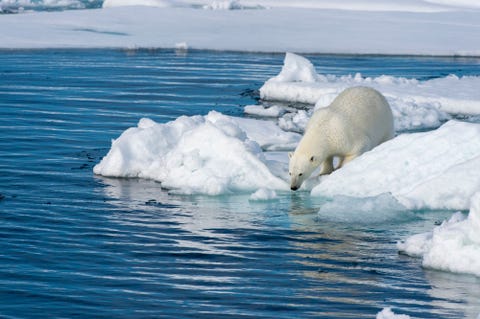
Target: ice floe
column 387, row 313
column 415, row 104
column 453, row 246
column 209, row 154
column 263, row 194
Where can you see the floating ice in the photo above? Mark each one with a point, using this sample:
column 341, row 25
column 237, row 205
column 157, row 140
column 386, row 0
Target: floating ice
column 263, row 194
column 296, row 121
column 181, row 46
column 259, row 110
column 453, row 246
column 296, row 69
column 223, row 5
column 436, row 169
column 201, row 154
column 387, row 313
column 366, row 210
column 267, row 134
column 415, row 104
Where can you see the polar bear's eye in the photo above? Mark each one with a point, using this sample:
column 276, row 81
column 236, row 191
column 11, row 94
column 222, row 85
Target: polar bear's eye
column 311, row 159
column 290, row 173
column 300, row 174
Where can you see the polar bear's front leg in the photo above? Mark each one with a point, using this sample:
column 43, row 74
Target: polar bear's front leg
column 327, row 166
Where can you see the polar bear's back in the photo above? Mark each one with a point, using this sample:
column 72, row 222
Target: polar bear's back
column 366, row 110
column 358, row 100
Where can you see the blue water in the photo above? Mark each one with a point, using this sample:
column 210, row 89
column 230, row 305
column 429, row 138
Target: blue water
column 75, row 245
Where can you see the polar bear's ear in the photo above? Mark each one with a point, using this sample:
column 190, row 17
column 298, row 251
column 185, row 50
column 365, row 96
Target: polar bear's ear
column 290, row 154
column 312, row 158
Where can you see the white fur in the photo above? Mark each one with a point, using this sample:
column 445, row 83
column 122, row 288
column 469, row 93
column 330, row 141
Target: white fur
column 357, row 120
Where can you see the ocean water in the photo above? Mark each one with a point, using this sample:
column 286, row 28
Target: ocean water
column 75, row 245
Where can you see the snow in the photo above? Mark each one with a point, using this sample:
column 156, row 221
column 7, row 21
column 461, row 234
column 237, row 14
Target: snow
column 354, row 26
column 453, row 246
column 387, row 313
column 192, row 155
column 259, row 110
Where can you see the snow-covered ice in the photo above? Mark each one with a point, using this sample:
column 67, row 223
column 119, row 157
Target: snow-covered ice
column 259, row 110
column 453, row 246
column 349, row 27
column 201, row 154
column 356, row 5
column 415, row 104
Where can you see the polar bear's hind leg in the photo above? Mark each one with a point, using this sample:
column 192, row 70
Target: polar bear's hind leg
column 347, row 159
column 327, row 166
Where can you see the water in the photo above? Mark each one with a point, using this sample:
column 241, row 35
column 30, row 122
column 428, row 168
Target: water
column 75, row 245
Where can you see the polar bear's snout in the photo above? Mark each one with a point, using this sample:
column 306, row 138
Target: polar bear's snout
column 294, row 184
column 293, row 188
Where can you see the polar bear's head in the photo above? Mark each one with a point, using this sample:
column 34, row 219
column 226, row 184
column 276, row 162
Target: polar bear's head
column 300, row 168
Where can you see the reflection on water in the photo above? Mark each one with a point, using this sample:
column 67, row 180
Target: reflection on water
column 454, row 292
column 351, row 266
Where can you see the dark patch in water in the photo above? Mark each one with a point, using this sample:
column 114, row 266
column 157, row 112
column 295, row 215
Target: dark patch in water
column 252, row 93
column 83, row 166
column 154, row 202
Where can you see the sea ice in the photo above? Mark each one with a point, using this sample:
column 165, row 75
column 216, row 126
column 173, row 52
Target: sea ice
column 453, row 246
column 348, row 27
column 353, row 5
column 387, row 313
column 259, row 110
column 415, row 104
column 201, row 154
column 263, row 194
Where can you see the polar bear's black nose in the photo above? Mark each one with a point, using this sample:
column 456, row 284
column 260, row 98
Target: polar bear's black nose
column 294, row 188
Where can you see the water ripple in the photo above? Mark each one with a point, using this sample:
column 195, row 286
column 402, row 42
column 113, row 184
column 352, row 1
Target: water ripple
column 79, row 246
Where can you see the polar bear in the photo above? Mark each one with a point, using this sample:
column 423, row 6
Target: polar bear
column 356, row 121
